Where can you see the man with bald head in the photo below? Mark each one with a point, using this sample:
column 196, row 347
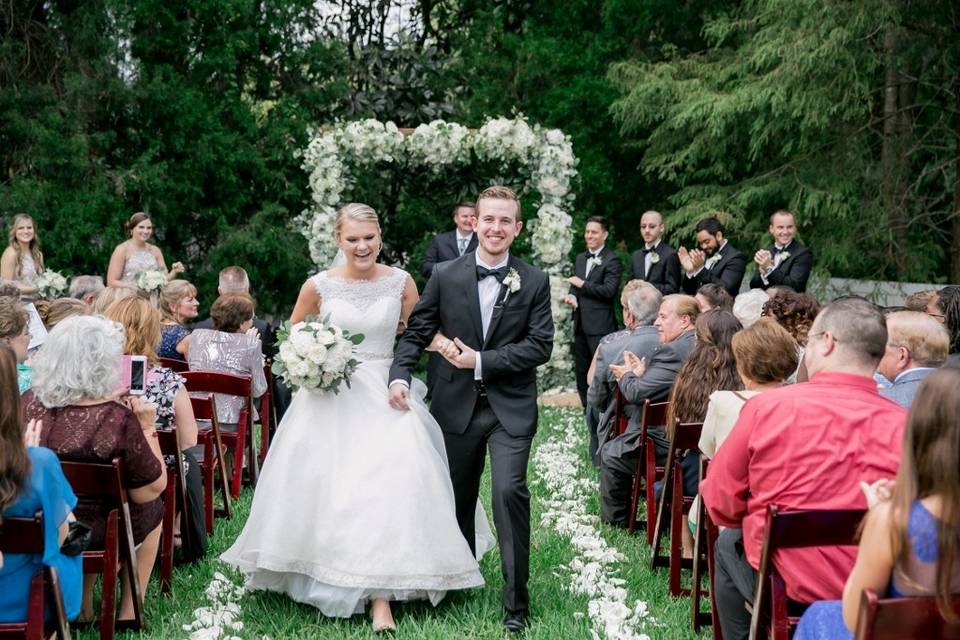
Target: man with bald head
column 656, row 262
column 916, row 346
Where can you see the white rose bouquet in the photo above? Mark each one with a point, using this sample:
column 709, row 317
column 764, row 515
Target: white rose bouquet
column 151, row 281
column 51, row 284
column 316, row 354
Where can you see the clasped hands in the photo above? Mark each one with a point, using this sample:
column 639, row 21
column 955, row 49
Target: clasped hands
column 454, row 351
column 631, row 363
column 764, row 260
column 692, row 260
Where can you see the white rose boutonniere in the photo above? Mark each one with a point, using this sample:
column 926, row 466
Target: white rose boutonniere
column 784, row 256
column 654, row 257
column 594, row 262
column 512, row 282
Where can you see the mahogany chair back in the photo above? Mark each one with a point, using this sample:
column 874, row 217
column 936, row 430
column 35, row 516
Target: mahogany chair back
column 914, row 618
column 176, row 365
column 211, row 466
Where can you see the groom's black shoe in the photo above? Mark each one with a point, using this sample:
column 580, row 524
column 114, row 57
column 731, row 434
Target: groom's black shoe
column 515, row 622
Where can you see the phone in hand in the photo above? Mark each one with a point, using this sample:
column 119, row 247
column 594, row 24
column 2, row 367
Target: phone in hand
column 133, row 374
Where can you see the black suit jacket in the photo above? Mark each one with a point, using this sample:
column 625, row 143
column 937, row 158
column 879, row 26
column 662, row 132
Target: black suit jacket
column 268, row 335
column 664, row 274
column 728, row 271
column 519, row 339
column 444, row 248
column 594, row 315
column 792, row 272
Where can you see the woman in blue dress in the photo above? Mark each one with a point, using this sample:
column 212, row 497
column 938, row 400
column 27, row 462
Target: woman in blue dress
column 911, row 535
column 31, row 480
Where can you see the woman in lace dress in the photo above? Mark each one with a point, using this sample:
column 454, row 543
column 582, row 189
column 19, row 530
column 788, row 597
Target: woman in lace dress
column 136, row 255
column 354, row 502
column 22, row 261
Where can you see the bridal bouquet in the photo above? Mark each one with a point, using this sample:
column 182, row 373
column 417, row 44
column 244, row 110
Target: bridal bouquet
column 150, row 281
column 51, row 284
column 316, row 354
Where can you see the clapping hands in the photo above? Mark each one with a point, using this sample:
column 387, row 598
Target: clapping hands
column 632, row 364
column 764, row 260
column 692, row 260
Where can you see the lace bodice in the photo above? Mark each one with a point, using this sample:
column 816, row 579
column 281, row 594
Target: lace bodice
column 137, row 262
column 370, row 307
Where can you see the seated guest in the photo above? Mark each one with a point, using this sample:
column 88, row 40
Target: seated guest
column 748, row 306
column 234, row 279
column 916, row 346
column 713, row 296
column 450, row 245
column 908, row 546
column 61, row 309
column 710, row 367
column 920, row 300
column 786, row 261
column 639, row 381
column 110, row 295
column 233, row 347
column 31, row 480
column 715, row 261
column 656, row 262
column 640, row 301
column 178, row 304
column 165, row 389
column 804, row 446
column 15, row 333
column 793, row 311
column 945, row 307
column 86, row 288
column 76, row 377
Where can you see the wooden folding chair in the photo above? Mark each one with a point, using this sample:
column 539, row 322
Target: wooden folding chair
column 176, row 491
column 211, row 466
column 654, row 414
column 266, row 414
column 620, row 419
column 704, row 549
column 242, row 438
column 913, row 618
column 176, row 365
column 685, row 436
column 794, row 530
column 25, row 535
column 104, row 483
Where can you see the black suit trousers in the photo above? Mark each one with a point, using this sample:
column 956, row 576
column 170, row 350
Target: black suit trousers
column 509, row 454
column 584, row 347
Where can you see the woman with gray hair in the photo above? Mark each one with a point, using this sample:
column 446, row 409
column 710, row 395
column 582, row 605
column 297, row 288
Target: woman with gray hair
column 74, row 394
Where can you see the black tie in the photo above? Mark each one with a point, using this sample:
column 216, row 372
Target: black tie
column 646, row 251
column 499, row 273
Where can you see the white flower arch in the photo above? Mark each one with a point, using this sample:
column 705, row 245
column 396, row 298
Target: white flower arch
column 334, row 155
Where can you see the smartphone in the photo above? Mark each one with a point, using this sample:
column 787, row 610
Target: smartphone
column 133, row 374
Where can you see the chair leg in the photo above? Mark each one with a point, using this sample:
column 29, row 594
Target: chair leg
column 712, row 534
column 166, row 536
column 651, row 496
column 111, row 565
column 696, row 592
column 635, row 488
column 253, row 464
column 35, row 609
column 676, row 530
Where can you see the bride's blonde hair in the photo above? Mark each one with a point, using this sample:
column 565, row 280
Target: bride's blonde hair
column 356, row 211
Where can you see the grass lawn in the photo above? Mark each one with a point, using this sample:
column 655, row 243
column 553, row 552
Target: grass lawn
column 555, row 614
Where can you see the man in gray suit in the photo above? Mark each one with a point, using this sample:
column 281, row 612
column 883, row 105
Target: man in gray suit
column 916, row 345
column 640, row 380
column 640, row 301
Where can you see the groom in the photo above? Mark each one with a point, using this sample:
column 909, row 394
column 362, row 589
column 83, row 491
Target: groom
column 491, row 314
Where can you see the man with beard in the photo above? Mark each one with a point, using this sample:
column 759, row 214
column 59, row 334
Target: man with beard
column 716, row 261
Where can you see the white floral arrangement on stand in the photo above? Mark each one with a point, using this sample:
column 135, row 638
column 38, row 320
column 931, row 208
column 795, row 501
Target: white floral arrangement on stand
column 51, row 284
column 316, row 354
column 151, row 281
column 545, row 156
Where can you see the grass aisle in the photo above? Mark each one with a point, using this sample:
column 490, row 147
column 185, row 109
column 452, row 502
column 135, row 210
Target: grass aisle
column 556, row 612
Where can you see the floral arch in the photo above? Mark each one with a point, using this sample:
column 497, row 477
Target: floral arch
column 545, row 157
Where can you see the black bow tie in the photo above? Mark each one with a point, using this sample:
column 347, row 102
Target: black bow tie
column 500, row 273
column 646, row 251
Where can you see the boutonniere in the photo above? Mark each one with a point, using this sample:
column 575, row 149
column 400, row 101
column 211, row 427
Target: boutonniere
column 512, row 282
column 714, row 259
column 784, row 255
column 654, row 257
column 593, row 262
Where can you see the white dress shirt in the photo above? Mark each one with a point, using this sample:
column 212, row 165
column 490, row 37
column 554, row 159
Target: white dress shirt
column 488, row 290
column 463, row 241
column 593, row 254
column 648, row 257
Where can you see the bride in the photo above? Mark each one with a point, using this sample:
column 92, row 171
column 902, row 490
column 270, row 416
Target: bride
column 354, row 503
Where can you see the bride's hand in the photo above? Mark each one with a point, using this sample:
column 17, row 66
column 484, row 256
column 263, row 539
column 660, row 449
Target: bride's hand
column 437, row 343
column 399, row 396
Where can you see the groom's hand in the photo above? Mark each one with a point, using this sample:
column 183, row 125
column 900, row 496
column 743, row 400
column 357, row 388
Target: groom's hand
column 399, row 396
column 467, row 359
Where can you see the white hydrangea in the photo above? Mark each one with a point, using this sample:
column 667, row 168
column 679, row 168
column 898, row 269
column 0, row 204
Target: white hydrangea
column 439, row 144
column 51, row 284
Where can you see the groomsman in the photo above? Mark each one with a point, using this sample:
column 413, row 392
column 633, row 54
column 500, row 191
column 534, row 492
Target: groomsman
column 716, row 261
column 452, row 244
column 786, row 262
column 593, row 290
column 657, row 262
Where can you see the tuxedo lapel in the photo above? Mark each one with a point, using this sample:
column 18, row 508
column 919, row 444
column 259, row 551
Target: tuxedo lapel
column 472, row 294
column 503, row 299
column 580, row 267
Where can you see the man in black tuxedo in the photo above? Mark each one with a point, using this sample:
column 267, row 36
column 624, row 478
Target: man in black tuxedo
column 786, row 262
column 593, row 291
column 488, row 314
column 657, row 262
column 716, row 261
column 451, row 245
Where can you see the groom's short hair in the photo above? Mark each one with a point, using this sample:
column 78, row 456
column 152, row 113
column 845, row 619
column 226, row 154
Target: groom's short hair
column 498, row 192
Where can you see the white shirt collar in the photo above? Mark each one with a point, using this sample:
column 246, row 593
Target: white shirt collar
column 720, row 248
column 502, row 263
column 655, row 244
column 597, row 252
column 460, row 236
column 781, row 248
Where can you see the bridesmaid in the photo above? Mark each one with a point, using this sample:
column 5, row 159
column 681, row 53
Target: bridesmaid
column 22, row 260
column 137, row 255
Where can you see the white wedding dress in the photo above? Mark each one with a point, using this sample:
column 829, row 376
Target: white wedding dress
column 354, row 500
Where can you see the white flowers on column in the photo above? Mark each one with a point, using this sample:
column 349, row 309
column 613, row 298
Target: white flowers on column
column 547, row 154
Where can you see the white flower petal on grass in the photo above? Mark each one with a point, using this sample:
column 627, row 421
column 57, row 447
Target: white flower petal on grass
column 222, row 616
